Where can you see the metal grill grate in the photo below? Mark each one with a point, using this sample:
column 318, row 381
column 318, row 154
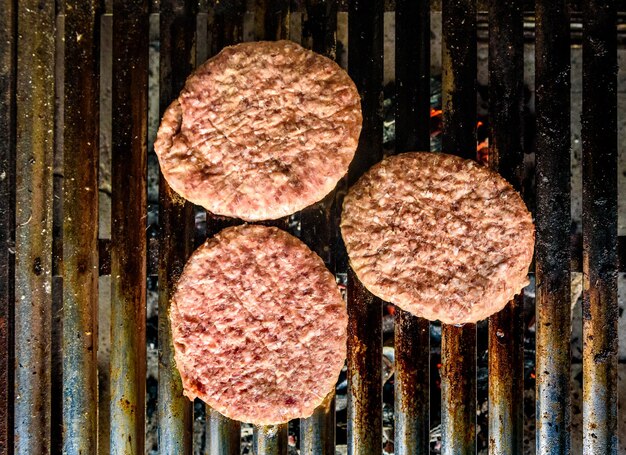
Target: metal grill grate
column 50, row 47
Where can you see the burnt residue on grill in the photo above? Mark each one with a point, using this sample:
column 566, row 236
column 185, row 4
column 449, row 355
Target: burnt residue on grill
column 506, row 379
column 459, row 77
column 458, row 389
column 506, row 90
column 364, row 369
column 226, row 24
column 321, row 26
column 365, row 66
column 272, row 19
column 458, row 344
column 128, row 226
column 33, row 225
column 412, row 121
column 222, row 23
column 599, row 224
column 7, row 219
column 80, row 227
column 506, row 155
column 552, row 76
column 176, row 222
column 412, row 391
column 412, row 116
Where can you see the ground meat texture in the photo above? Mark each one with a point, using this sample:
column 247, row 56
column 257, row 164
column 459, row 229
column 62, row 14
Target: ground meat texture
column 259, row 326
column 440, row 236
column 260, row 131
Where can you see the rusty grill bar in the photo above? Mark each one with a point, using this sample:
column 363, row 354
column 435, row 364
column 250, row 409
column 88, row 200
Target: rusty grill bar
column 176, row 219
column 412, row 334
column 223, row 435
column 227, row 29
column 7, row 219
column 506, row 155
column 365, row 66
column 128, row 226
column 552, row 57
column 270, row 440
column 34, row 149
column 458, row 344
column 318, row 228
column 189, row 31
column 600, row 308
column 80, row 228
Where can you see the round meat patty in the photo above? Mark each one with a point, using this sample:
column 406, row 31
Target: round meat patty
column 260, row 131
column 440, row 236
column 259, row 326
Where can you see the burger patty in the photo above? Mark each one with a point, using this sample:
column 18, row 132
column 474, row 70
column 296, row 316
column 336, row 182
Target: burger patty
column 260, row 131
column 440, row 236
column 259, row 326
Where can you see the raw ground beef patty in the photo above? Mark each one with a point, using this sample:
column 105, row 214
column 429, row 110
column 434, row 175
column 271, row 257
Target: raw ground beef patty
column 439, row 236
column 260, row 131
column 259, row 326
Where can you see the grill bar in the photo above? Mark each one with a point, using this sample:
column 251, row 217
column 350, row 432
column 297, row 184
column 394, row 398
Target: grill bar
column 365, row 66
column 7, row 220
column 364, row 374
column 600, row 306
column 32, row 48
column 223, row 435
column 317, row 433
column 552, row 57
column 412, row 392
column 270, row 440
column 104, row 252
column 506, row 336
column 458, row 79
column 227, row 30
column 272, row 23
column 458, row 344
column 128, row 227
column 80, row 228
column 33, row 219
column 227, row 26
column 412, row 334
column 272, row 19
column 412, row 75
column 458, row 389
column 176, row 220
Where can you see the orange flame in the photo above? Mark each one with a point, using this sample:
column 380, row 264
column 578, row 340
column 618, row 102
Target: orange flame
column 482, row 152
column 435, row 112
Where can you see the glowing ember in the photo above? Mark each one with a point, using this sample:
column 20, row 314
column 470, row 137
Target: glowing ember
column 482, row 152
column 435, row 112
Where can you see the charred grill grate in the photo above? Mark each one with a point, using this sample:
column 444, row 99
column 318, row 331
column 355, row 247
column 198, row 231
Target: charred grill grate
column 51, row 256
